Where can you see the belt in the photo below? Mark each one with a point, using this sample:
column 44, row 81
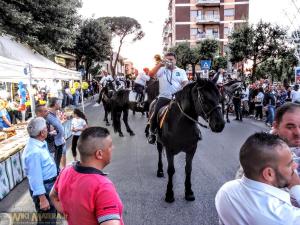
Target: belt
column 51, row 180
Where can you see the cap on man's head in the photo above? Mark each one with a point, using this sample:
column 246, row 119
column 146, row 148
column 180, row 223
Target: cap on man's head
column 146, row 70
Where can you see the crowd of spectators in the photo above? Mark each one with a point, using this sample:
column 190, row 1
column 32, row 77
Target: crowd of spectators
column 261, row 98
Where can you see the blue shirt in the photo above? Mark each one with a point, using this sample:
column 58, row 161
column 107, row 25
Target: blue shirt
column 55, row 122
column 3, row 112
column 38, row 165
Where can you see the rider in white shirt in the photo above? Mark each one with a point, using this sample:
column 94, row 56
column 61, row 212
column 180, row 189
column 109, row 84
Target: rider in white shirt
column 106, row 77
column 140, row 84
column 171, row 80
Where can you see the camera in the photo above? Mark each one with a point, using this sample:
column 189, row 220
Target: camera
column 168, row 64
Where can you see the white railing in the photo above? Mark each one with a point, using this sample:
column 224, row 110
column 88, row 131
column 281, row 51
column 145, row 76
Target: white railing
column 208, row 1
column 208, row 18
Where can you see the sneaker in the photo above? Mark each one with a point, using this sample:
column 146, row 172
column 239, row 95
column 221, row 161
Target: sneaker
column 152, row 139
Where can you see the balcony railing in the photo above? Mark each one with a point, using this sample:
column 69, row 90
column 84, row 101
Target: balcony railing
column 208, row 19
column 207, row 36
column 208, row 2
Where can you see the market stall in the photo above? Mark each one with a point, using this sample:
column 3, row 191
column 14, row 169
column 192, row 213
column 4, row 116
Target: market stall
column 20, row 63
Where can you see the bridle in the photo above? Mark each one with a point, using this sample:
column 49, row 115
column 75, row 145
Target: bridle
column 201, row 103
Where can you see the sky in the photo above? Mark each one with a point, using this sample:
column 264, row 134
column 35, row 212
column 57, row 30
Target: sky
column 151, row 14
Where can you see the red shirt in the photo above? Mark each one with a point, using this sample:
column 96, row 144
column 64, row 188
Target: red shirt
column 87, row 196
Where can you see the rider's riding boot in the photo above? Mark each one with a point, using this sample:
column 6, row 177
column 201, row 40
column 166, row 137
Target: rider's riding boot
column 152, row 138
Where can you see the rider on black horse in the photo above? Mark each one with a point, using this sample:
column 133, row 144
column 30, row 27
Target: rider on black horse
column 171, row 80
column 139, row 85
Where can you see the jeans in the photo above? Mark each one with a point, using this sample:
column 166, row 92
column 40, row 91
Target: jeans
column 58, row 155
column 271, row 114
column 45, row 217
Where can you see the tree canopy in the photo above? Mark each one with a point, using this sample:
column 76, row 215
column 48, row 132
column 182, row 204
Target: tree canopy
column 258, row 43
column 120, row 28
column 46, row 26
column 92, row 43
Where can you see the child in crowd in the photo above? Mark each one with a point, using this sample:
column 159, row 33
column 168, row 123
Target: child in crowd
column 79, row 123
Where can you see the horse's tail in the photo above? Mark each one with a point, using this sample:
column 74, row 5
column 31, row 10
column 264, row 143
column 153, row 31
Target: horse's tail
column 116, row 117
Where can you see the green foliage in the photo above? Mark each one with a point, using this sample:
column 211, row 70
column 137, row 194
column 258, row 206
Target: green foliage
column 208, row 48
column 278, row 68
column 95, row 70
column 219, row 62
column 257, row 43
column 46, row 26
column 183, row 54
column 92, row 43
column 120, row 28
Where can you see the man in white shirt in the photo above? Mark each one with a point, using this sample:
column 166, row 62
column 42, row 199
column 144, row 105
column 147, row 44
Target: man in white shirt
column 171, row 80
column 140, row 83
column 258, row 198
column 106, row 77
column 295, row 94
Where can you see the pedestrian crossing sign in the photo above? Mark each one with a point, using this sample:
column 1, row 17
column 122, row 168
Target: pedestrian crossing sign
column 205, row 64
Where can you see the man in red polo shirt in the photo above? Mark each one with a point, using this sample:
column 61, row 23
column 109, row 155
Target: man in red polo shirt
column 82, row 192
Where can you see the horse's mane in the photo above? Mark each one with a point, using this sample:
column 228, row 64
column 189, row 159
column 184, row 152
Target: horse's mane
column 185, row 91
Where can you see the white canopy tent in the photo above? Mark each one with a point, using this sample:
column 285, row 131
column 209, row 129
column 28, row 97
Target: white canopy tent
column 19, row 63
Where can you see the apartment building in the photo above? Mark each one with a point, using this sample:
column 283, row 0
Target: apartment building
column 195, row 20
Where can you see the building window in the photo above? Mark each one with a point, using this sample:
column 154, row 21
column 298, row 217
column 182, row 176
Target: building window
column 194, row 14
column 228, row 12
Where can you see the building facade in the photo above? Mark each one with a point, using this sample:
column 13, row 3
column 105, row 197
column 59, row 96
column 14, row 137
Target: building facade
column 195, row 20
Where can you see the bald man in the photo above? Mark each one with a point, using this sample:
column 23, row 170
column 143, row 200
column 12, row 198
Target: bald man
column 82, row 192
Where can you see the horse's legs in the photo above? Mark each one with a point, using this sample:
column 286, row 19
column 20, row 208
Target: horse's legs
column 125, row 119
column 147, row 130
column 171, row 170
column 105, row 116
column 160, row 171
column 189, row 194
column 227, row 112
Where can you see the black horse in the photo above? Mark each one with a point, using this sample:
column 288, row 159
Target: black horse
column 152, row 91
column 179, row 130
column 105, row 96
column 227, row 90
column 120, row 104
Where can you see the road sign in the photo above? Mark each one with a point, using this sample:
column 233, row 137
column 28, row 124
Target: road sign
column 297, row 74
column 205, row 64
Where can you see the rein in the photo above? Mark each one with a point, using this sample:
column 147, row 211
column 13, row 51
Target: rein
column 190, row 118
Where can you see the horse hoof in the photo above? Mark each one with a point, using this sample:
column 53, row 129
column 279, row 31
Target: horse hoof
column 132, row 134
column 189, row 196
column 160, row 174
column 121, row 135
column 107, row 124
column 169, row 198
column 228, row 121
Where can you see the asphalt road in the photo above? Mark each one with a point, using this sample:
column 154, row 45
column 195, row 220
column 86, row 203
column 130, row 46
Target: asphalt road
column 133, row 171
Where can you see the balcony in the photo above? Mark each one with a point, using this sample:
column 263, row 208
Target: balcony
column 202, row 36
column 207, row 2
column 208, row 19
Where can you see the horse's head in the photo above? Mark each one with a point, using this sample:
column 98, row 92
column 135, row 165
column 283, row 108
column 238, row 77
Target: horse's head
column 206, row 98
column 110, row 85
